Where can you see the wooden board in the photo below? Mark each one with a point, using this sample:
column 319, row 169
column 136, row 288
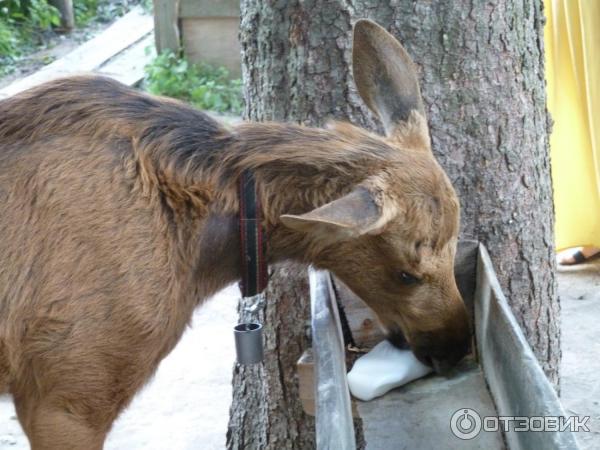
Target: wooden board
column 128, row 66
column 213, row 40
column 364, row 325
column 166, row 25
column 209, row 8
column 126, row 31
column 305, row 368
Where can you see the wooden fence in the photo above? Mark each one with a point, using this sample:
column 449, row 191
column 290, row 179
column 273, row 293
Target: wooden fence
column 206, row 30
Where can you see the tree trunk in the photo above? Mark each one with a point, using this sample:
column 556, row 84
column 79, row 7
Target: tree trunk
column 67, row 16
column 482, row 77
column 266, row 412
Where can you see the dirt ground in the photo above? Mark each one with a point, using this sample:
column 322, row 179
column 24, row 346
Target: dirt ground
column 186, row 405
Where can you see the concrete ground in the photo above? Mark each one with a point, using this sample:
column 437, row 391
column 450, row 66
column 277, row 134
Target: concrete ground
column 579, row 290
column 186, row 405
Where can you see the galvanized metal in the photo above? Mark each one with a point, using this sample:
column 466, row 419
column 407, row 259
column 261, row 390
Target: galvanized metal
column 504, row 379
column 333, row 417
column 513, row 374
column 248, row 343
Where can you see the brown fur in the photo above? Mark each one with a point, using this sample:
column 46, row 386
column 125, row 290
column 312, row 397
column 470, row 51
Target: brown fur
column 118, row 217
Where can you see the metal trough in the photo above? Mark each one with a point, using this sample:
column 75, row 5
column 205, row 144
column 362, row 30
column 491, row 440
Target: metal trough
column 502, row 378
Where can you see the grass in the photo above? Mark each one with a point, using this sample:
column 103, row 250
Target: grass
column 202, row 85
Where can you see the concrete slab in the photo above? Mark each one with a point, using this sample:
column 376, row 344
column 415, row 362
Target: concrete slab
column 579, row 290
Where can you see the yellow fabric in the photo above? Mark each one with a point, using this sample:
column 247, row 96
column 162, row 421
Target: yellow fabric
column 572, row 38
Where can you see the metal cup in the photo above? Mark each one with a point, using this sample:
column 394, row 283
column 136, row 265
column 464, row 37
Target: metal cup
column 248, row 343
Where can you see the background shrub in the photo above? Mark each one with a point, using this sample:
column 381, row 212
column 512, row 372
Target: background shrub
column 202, row 85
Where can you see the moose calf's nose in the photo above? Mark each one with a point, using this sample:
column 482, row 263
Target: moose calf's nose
column 397, row 339
column 442, row 354
column 443, row 366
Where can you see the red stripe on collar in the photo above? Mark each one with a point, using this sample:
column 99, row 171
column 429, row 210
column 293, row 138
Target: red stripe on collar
column 253, row 237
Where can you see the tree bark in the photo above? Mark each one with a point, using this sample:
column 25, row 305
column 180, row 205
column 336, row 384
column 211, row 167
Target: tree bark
column 67, row 16
column 482, row 76
column 266, row 412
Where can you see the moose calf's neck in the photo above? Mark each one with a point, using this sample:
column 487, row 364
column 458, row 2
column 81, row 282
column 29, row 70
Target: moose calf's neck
column 297, row 169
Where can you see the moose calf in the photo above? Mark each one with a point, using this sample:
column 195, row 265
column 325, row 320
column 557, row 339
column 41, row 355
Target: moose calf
column 118, row 217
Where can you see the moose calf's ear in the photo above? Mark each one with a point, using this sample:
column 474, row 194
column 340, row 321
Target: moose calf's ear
column 385, row 75
column 352, row 215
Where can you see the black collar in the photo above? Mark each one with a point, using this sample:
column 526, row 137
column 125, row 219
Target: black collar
column 253, row 238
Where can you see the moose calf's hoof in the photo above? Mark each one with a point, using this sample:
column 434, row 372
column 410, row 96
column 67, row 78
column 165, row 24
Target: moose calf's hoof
column 384, row 368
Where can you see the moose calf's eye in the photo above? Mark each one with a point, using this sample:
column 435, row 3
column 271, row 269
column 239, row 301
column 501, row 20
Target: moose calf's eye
column 407, row 279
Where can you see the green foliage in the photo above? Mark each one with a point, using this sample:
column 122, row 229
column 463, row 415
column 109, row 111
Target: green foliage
column 22, row 25
column 85, row 10
column 35, row 14
column 101, row 10
column 202, row 85
column 41, row 15
column 25, row 25
column 8, row 40
column 148, row 5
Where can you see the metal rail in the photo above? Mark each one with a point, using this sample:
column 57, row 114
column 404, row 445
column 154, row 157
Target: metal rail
column 333, row 416
column 515, row 378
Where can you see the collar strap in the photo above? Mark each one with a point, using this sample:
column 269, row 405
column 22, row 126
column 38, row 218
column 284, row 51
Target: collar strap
column 253, row 242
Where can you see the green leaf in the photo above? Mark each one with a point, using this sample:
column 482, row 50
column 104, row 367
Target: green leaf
column 204, row 86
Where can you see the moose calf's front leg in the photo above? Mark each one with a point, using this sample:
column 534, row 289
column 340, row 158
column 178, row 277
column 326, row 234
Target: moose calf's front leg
column 68, row 397
column 49, row 426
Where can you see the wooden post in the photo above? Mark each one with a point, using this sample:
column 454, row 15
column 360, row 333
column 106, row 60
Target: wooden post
column 166, row 25
column 67, row 17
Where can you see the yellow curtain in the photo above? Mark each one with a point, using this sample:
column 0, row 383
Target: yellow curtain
column 572, row 38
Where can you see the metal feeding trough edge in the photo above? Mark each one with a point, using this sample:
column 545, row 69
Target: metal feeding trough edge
column 513, row 375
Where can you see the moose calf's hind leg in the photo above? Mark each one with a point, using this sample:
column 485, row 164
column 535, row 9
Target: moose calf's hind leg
column 51, row 428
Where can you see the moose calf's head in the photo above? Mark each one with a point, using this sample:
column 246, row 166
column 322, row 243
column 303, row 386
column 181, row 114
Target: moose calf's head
column 392, row 239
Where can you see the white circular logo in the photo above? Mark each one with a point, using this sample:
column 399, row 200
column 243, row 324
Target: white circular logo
column 465, row 424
